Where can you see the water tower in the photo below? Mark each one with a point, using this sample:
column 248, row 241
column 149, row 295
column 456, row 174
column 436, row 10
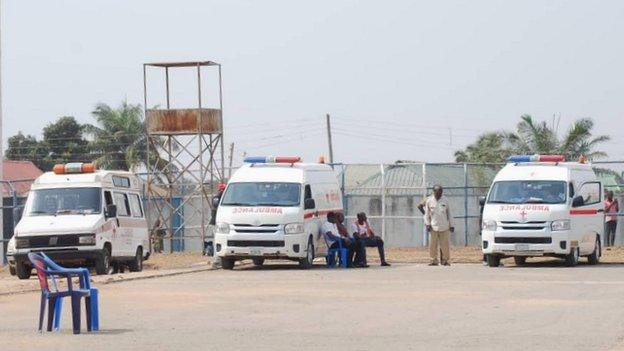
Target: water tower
column 185, row 158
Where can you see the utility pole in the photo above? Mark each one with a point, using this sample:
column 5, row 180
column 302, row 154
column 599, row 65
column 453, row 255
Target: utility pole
column 1, row 152
column 231, row 157
column 329, row 140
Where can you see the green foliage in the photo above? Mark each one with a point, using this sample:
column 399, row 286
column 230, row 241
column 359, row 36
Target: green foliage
column 62, row 142
column 533, row 137
column 119, row 140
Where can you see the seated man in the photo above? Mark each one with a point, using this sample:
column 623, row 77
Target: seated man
column 359, row 249
column 332, row 237
column 363, row 232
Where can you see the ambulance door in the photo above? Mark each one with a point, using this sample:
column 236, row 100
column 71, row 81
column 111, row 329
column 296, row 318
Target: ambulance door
column 139, row 226
column 122, row 236
column 586, row 215
column 310, row 217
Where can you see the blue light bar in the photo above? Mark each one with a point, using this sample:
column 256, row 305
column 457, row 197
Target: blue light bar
column 255, row 159
column 523, row 158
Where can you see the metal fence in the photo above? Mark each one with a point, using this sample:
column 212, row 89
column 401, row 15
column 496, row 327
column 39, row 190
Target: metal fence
column 388, row 193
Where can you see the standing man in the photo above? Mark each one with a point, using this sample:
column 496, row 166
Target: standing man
column 611, row 210
column 439, row 223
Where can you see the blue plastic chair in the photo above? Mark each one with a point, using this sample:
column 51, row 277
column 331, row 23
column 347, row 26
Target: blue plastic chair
column 52, row 295
column 342, row 253
column 85, row 284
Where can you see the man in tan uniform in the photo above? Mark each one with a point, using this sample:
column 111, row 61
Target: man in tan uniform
column 439, row 222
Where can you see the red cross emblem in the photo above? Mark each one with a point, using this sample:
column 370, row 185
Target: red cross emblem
column 523, row 216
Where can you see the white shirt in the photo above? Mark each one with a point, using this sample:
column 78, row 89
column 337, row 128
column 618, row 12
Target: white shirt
column 357, row 228
column 331, row 228
column 438, row 214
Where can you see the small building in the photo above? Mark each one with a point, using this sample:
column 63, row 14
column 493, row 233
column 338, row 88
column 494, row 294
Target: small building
column 18, row 176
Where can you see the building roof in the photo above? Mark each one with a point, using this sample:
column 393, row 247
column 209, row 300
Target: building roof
column 20, row 174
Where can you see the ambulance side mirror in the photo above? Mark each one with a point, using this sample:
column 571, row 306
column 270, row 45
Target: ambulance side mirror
column 309, row 204
column 481, row 200
column 111, row 211
column 578, row 201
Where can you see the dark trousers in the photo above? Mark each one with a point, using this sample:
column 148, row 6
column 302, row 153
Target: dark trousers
column 611, row 227
column 370, row 242
column 353, row 247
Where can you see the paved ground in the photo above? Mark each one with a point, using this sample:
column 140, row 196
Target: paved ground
column 408, row 306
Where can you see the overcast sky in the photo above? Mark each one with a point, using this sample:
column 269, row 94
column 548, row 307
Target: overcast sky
column 402, row 79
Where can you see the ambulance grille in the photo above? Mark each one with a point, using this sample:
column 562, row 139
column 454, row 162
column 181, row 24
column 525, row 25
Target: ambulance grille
column 525, row 240
column 256, row 243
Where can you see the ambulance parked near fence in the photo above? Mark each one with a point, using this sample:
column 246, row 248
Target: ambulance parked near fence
column 273, row 208
column 76, row 214
column 543, row 206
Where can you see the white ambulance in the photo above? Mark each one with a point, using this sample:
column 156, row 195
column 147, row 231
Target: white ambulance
column 273, row 208
column 77, row 215
column 540, row 205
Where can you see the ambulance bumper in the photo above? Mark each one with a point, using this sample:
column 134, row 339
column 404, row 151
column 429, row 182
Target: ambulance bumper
column 519, row 243
column 241, row 246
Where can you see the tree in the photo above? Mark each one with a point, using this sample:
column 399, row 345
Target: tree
column 119, row 140
column 533, row 137
column 25, row 147
column 62, row 142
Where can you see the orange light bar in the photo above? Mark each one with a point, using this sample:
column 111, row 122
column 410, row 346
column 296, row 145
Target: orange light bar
column 59, row 169
column 77, row 167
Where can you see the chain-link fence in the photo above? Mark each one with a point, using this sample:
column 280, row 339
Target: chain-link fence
column 388, row 193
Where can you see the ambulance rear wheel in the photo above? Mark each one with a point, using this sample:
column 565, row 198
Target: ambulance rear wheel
column 258, row 262
column 493, row 260
column 137, row 264
column 520, row 260
column 572, row 258
column 227, row 263
column 22, row 271
column 594, row 258
column 103, row 263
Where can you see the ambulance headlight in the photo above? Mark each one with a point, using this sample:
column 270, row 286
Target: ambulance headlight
column 21, row 243
column 562, row 224
column 293, row 228
column 489, row 225
column 88, row 239
column 223, row 228
column 11, row 246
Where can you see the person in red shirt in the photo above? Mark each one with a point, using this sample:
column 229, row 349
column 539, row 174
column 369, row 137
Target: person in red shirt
column 612, row 208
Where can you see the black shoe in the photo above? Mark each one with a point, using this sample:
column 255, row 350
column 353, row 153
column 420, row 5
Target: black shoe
column 433, row 264
column 446, row 264
column 385, row 264
column 363, row 265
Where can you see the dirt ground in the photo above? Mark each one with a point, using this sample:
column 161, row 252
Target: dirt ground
column 543, row 306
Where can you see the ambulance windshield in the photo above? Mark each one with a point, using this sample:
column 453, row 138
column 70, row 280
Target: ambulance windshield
column 262, row 194
column 528, row 192
column 62, row 201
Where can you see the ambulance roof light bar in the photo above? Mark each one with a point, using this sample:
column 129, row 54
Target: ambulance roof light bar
column 75, row 167
column 271, row 159
column 536, row 158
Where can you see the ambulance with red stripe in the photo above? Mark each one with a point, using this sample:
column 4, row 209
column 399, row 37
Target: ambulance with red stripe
column 540, row 205
column 79, row 215
column 273, row 208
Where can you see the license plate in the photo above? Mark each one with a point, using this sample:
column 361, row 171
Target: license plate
column 522, row 247
column 255, row 252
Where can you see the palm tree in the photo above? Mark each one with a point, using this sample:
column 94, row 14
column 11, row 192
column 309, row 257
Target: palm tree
column 533, row 137
column 119, row 140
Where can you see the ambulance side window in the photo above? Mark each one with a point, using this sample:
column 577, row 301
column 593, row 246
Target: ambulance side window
column 590, row 193
column 307, row 192
column 123, row 207
column 135, row 205
column 571, row 190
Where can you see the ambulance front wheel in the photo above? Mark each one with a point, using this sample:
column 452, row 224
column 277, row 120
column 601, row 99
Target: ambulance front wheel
column 308, row 261
column 23, row 271
column 594, row 258
column 103, row 263
column 572, row 258
column 12, row 270
column 227, row 263
column 493, row 260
